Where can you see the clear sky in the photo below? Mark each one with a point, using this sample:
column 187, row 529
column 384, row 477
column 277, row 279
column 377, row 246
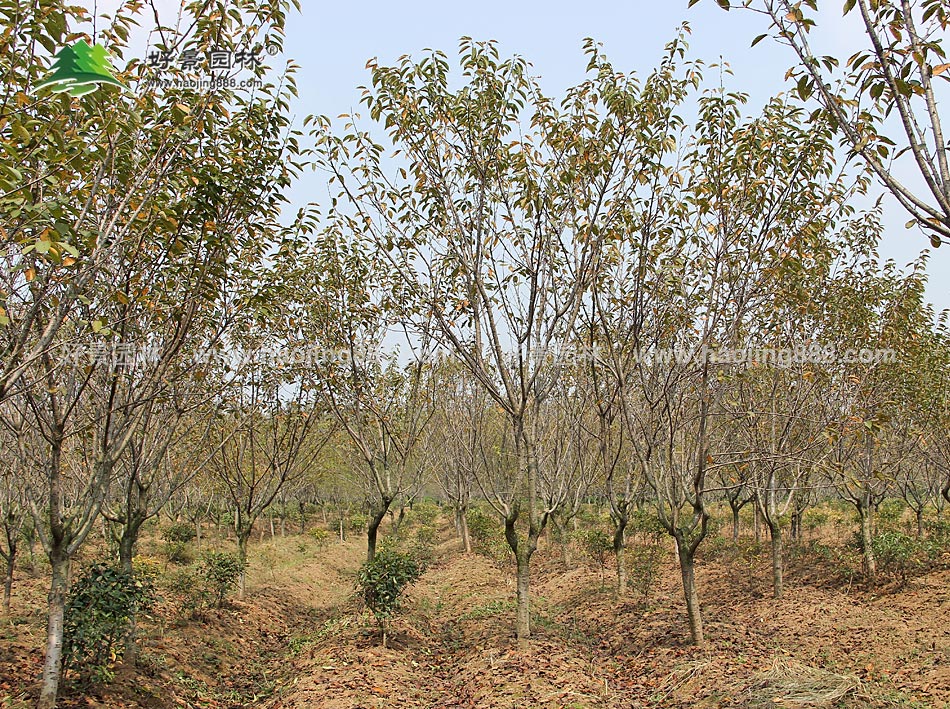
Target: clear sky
column 332, row 42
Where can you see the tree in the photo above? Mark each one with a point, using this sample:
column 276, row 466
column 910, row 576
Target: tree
column 898, row 75
column 268, row 436
column 346, row 304
column 496, row 223
column 871, row 312
column 121, row 208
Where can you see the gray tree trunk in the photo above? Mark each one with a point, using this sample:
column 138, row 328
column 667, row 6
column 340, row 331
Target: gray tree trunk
column 53, row 665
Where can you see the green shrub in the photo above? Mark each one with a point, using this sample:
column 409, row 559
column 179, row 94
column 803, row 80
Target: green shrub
column 321, row 536
column 938, row 531
column 645, row 523
column 179, row 532
column 100, row 611
column 177, row 536
column 424, row 513
column 814, row 519
column 889, row 514
column 357, row 522
column 644, row 562
column 424, row 543
column 382, row 581
column 487, row 535
column 221, row 571
column 901, row 555
column 189, row 592
column 597, row 544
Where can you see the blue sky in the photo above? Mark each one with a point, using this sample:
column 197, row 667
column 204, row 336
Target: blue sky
column 331, row 43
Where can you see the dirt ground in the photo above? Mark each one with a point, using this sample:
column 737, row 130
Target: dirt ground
column 300, row 639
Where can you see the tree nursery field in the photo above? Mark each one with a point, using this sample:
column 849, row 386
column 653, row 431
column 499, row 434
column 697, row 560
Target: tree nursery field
column 476, row 395
column 302, row 637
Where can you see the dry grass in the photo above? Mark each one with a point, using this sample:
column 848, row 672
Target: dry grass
column 792, row 683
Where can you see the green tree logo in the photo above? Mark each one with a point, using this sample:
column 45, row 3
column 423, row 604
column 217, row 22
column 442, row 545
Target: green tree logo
column 79, row 69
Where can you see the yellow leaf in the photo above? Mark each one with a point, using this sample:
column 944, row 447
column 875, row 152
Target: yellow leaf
column 30, row 274
column 940, row 68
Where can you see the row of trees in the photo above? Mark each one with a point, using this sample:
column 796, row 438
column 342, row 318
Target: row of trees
column 529, row 305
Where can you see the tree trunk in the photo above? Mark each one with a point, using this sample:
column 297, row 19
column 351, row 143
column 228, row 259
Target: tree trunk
column 523, row 613
column 53, row 664
column 920, row 522
column 242, row 539
column 693, row 610
column 778, row 586
column 466, row 537
column 756, row 523
column 8, row 579
column 870, row 563
column 735, row 523
column 372, row 531
column 620, row 552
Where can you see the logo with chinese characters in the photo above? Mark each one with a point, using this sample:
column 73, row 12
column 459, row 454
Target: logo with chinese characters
column 79, row 69
column 221, row 63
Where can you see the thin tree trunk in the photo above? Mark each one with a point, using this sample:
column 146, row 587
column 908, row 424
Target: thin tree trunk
column 735, row 523
column 523, row 613
column 693, row 610
column 870, row 563
column 920, row 522
column 372, row 531
column 53, row 664
column 621, row 553
column 8, row 580
column 242, row 539
column 778, row 586
column 466, row 537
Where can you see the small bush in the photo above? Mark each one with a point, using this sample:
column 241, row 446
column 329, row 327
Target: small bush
column 889, row 514
column 222, row 571
column 190, row 594
column 901, row 555
column 205, row 585
column 644, row 562
column 645, row 523
column 179, row 532
column 487, row 535
column 100, row 611
column 357, row 522
column 382, row 581
column 938, row 531
column 424, row 513
column 177, row 536
column 815, row 519
column 321, row 536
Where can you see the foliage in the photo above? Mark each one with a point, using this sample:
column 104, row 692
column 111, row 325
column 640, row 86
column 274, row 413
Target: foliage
column 644, row 561
column 424, row 513
column 177, row 536
column 222, row 571
column 100, row 611
column 357, row 522
column 597, row 544
column 646, row 523
column 889, row 514
column 206, row 584
column 383, row 580
column 487, row 535
column 902, row 555
column 321, row 536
